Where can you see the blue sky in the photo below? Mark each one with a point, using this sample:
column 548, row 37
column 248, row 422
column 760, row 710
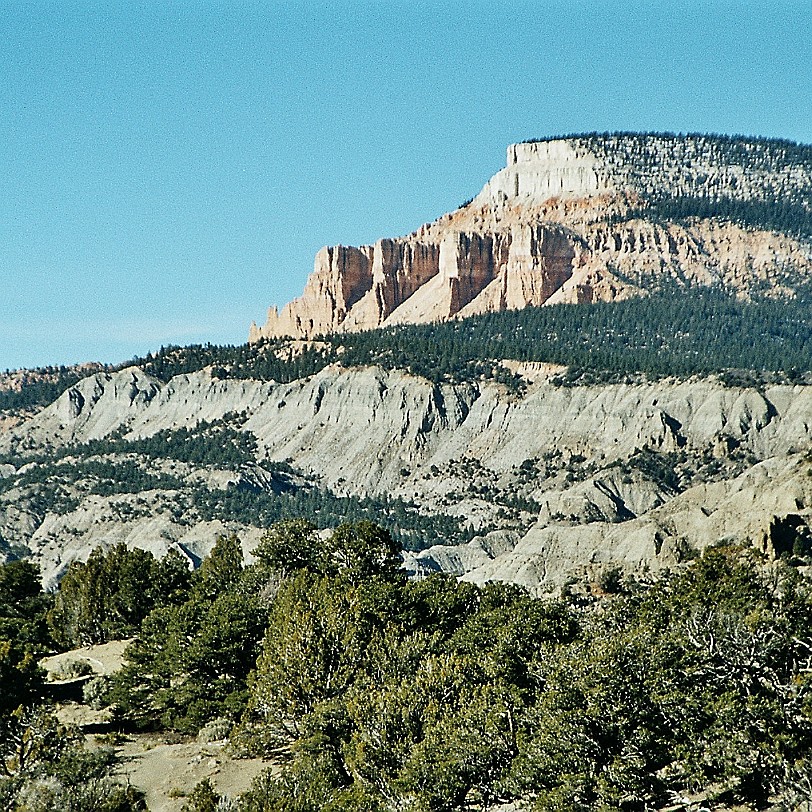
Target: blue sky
column 169, row 169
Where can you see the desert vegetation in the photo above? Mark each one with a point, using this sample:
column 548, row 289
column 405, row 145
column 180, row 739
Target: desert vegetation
column 372, row 692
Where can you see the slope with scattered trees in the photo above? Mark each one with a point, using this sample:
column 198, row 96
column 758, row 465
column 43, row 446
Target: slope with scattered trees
column 374, row 693
column 675, row 333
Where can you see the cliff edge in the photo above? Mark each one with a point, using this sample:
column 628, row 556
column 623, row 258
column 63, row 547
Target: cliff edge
column 582, row 219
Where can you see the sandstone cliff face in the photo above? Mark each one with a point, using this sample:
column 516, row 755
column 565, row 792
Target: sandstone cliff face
column 555, row 225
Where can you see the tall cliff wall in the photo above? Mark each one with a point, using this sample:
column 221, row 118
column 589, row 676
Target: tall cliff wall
column 565, row 221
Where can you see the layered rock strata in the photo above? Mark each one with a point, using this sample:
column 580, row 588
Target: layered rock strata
column 556, row 225
column 371, row 432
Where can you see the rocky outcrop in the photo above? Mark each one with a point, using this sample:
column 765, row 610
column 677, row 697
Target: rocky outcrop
column 651, row 166
column 420, row 279
column 356, row 429
column 744, row 510
column 461, row 450
column 557, row 224
column 536, row 172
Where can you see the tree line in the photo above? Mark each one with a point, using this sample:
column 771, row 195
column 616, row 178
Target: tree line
column 371, row 692
column 674, row 332
column 784, row 216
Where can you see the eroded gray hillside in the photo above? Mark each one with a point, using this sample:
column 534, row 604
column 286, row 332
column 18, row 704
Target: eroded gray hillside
column 576, row 478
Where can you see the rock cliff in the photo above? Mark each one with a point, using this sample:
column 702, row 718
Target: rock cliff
column 583, row 462
column 539, row 485
column 571, row 220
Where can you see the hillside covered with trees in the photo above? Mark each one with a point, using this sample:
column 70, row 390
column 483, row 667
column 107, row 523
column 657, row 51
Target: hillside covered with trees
column 671, row 334
column 370, row 692
column 675, row 333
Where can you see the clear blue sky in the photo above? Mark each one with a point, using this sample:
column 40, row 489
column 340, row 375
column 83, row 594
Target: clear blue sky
column 169, row 169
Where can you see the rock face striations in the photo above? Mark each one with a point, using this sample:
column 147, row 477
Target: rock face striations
column 545, row 484
column 583, row 219
column 638, row 476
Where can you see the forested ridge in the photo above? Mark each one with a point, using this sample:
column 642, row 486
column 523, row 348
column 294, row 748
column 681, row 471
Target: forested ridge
column 711, row 175
column 673, row 333
column 39, row 387
column 784, row 216
column 764, row 152
column 370, row 692
column 676, row 333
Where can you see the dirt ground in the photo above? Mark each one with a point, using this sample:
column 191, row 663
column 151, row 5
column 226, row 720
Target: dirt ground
column 166, row 772
column 169, row 772
column 103, row 659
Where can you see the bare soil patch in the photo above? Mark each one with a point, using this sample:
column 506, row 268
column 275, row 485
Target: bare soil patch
column 169, row 772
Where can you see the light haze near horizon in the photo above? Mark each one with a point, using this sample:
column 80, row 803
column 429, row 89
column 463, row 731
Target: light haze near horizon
column 170, row 169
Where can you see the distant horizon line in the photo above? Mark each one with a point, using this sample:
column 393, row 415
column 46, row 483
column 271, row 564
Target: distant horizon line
column 754, row 139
